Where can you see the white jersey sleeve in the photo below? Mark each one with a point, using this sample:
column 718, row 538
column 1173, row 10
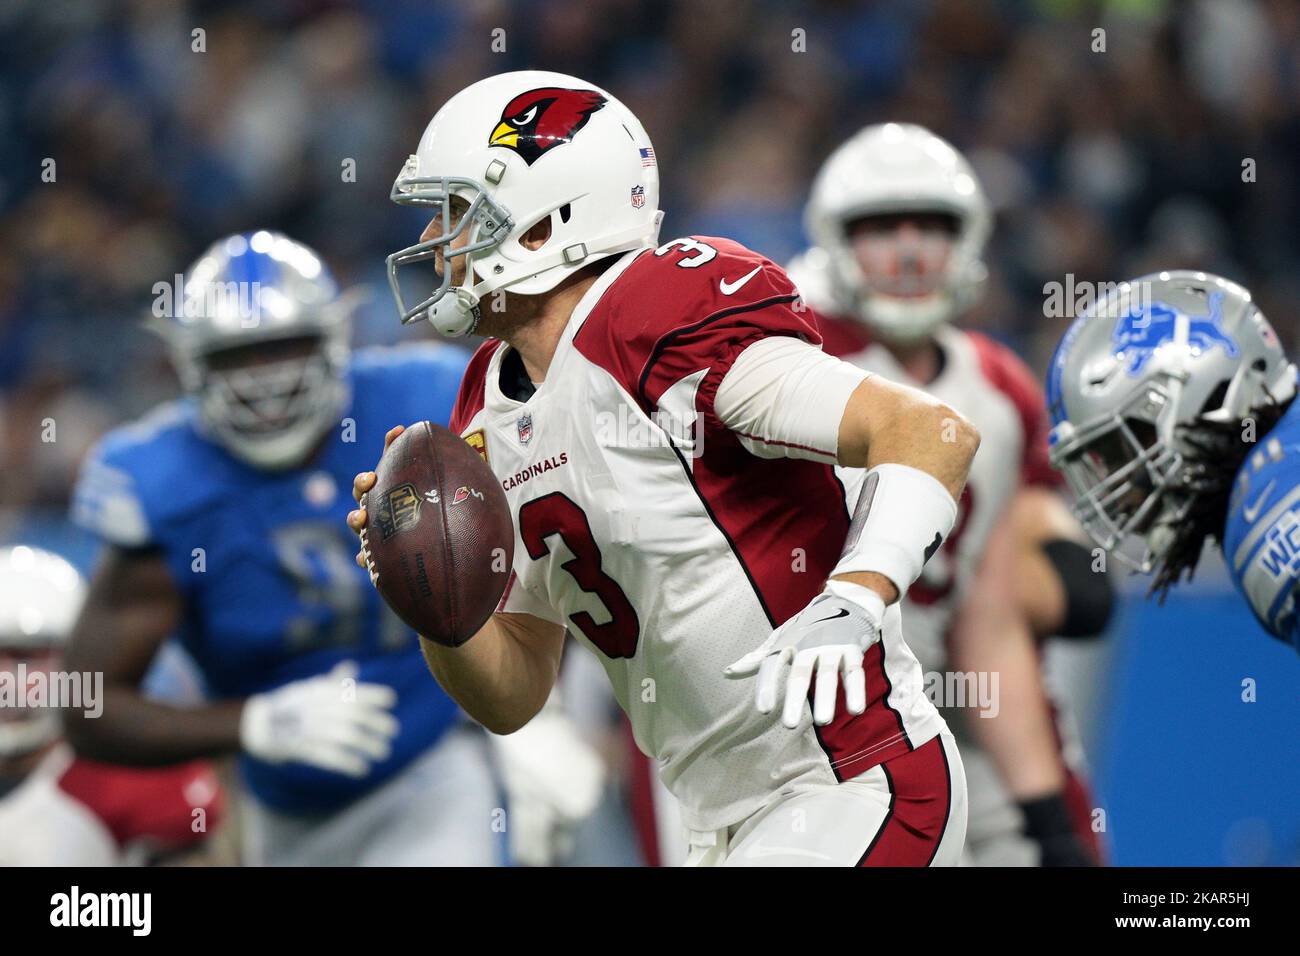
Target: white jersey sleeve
column 784, row 398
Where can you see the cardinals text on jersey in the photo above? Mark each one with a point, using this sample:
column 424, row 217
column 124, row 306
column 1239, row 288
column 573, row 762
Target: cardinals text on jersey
column 648, row 529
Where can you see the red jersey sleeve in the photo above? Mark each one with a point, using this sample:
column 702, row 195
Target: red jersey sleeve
column 690, row 306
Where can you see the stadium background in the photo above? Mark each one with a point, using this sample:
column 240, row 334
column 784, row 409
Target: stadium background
column 1101, row 165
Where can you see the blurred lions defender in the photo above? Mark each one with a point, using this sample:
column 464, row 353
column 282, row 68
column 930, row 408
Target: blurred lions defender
column 222, row 515
column 1173, row 420
column 665, row 428
column 58, row 809
column 900, row 223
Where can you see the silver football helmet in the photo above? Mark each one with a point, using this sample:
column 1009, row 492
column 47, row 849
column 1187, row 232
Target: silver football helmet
column 251, row 290
column 1150, row 393
column 895, row 168
column 40, row 597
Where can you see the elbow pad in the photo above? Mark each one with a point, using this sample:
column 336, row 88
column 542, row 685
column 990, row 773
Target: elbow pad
column 1089, row 598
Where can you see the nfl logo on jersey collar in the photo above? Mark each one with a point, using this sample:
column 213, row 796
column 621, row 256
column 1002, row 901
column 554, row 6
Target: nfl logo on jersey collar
column 525, row 427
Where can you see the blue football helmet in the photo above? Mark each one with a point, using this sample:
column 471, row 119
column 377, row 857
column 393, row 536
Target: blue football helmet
column 243, row 294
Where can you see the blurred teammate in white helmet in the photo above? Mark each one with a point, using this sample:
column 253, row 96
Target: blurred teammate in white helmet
column 57, row 809
column 900, row 223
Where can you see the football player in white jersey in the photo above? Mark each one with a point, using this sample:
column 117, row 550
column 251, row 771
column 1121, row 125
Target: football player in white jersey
column 901, row 221
column 665, row 428
column 58, row 809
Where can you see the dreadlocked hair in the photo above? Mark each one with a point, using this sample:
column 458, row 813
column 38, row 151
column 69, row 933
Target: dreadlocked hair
column 1215, row 453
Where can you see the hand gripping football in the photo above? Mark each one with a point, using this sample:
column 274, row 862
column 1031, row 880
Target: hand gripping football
column 438, row 539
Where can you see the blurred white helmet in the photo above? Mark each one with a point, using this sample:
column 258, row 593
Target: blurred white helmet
column 810, row 271
column 891, row 169
column 40, row 597
column 249, row 290
column 518, row 148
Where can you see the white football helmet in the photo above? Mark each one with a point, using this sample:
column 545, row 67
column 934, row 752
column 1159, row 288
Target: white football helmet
column 251, row 289
column 518, row 148
column 896, row 168
column 40, row 597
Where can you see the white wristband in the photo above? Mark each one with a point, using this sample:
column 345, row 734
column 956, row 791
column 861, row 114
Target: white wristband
column 902, row 517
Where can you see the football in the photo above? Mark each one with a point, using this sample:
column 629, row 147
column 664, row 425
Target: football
column 438, row 539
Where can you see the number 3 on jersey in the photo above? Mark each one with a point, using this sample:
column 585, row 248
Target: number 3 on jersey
column 700, row 252
column 556, row 513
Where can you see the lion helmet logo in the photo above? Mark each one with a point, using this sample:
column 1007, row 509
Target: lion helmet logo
column 1140, row 332
column 539, row 120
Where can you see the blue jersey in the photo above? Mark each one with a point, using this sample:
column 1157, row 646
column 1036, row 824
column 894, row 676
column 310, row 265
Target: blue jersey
column 1261, row 542
column 265, row 560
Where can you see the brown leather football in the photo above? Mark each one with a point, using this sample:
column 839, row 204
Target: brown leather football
column 438, row 538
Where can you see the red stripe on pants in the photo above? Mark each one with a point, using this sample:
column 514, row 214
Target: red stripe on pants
column 920, row 802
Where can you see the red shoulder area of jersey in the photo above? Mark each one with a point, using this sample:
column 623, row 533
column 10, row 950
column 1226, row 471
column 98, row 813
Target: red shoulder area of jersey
column 153, row 803
column 469, row 401
column 1006, row 372
column 691, row 304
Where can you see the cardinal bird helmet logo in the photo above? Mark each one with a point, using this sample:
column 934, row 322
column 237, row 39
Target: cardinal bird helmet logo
column 542, row 119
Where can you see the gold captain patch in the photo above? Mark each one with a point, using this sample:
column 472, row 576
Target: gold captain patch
column 478, row 442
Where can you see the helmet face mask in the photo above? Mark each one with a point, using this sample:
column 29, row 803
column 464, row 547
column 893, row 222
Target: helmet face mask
column 1126, row 478
column 902, row 262
column 484, row 221
column 273, row 411
column 25, row 729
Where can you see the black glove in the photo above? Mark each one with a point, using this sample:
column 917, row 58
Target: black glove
column 1048, row 823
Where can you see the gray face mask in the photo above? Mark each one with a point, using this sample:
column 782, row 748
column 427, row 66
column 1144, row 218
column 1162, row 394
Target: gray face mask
column 453, row 310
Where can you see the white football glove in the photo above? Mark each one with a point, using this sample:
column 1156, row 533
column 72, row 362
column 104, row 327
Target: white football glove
column 330, row 721
column 553, row 780
column 827, row 637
